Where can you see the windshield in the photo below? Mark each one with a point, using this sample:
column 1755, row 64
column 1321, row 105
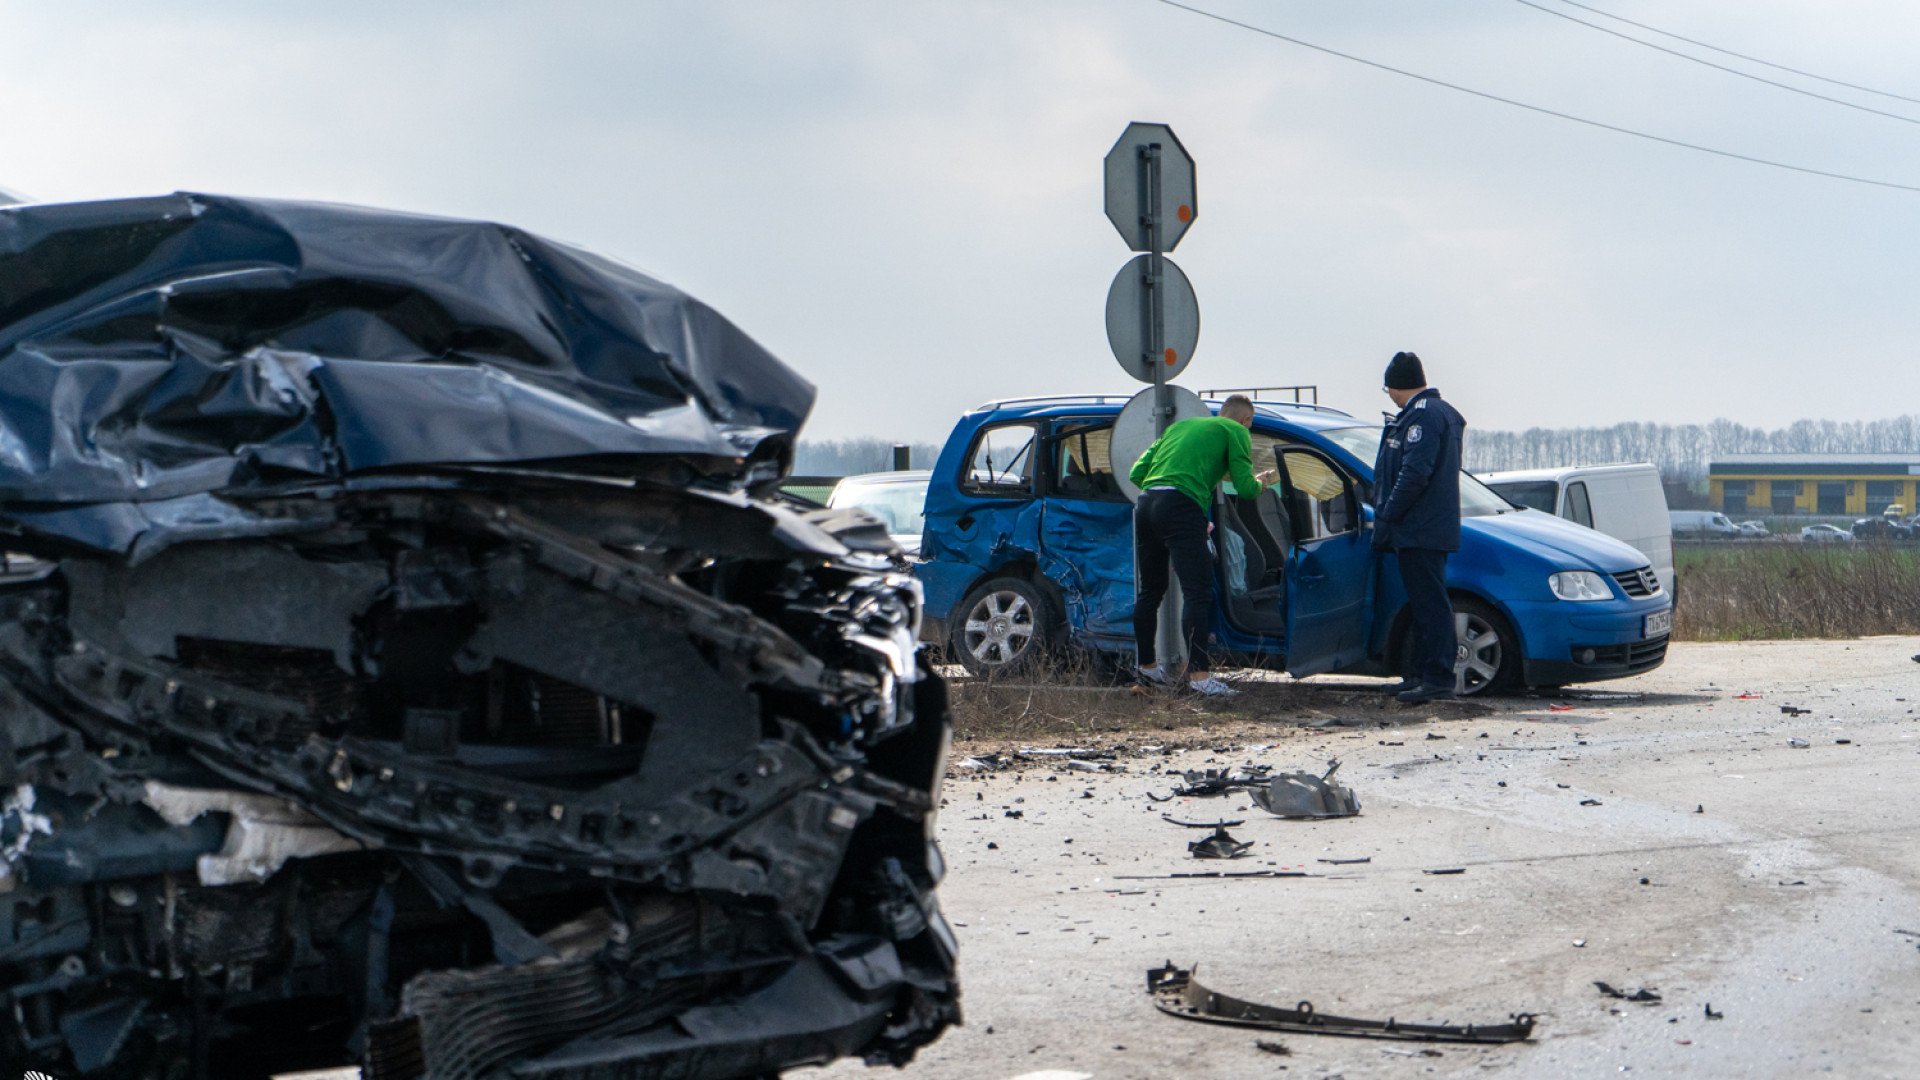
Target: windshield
column 1539, row 494
column 1476, row 499
column 899, row 503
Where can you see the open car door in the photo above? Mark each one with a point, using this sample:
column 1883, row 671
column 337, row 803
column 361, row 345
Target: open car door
column 1330, row 564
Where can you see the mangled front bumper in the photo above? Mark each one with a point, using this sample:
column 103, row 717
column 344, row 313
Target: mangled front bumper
column 471, row 780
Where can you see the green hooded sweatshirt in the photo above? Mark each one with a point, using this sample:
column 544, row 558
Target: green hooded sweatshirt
column 1195, row 455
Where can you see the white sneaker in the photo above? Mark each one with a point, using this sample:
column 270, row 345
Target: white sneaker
column 1212, row 687
column 1155, row 677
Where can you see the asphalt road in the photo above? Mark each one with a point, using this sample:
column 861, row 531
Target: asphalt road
column 1721, row 865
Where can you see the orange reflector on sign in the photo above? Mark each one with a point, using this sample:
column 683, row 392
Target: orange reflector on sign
column 1172, row 357
column 1184, row 213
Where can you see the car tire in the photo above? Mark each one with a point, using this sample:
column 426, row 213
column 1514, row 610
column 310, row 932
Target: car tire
column 1004, row 625
column 1488, row 660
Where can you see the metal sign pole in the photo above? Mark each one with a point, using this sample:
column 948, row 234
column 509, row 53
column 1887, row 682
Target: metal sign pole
column 1170, row 645
column 1153, row 321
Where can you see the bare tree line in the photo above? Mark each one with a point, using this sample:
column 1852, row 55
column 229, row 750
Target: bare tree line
column 845, row 457
column 1680, row 451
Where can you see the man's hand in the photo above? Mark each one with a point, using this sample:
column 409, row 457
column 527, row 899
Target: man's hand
column 1267, row 476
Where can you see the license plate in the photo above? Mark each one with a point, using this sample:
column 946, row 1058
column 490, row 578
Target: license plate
column 1659, row 622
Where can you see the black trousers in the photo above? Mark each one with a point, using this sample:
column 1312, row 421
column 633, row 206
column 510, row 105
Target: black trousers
column 1169, row 525
column 1432, row 641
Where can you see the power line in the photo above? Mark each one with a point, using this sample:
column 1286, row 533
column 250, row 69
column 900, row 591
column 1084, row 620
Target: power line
column 1741, row 55
column 1543, row 9
column 1542, row 110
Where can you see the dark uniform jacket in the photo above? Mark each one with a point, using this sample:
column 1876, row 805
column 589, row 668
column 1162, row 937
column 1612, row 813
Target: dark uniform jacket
column 1416, row 479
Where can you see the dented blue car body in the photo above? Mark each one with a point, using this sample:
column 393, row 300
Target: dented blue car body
column 1028, row 544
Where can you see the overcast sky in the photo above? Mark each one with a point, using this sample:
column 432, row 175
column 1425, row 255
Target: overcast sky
column 902, row 198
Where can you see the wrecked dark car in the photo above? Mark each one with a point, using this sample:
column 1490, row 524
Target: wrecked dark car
column 405, row 659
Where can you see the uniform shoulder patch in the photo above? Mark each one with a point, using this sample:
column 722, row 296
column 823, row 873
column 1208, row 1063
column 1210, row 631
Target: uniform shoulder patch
column 1421, row 404
column 1414, row 434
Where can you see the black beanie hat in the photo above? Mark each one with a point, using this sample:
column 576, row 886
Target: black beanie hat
column 1405, row 373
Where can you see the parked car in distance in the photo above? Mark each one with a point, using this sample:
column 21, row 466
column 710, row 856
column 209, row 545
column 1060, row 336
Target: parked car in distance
column 1754, row 529
column 898, row 499
column 1702, row 525
column 1825, row 534
column 1029, row 548
column 1883, row 530
column 1624, row 501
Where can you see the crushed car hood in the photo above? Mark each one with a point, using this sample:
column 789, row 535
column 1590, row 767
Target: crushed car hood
column 405, row 659
column 156, row 350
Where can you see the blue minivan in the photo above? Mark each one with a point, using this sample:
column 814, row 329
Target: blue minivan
column 1028, row 548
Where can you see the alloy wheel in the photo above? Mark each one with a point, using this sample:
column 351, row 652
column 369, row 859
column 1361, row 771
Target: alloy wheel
column 1477, row 656
column 999, row 629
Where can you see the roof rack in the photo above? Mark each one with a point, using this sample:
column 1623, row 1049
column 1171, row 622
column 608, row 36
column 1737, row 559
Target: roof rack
column 1302, row 395
column 1297, row 393
column 1053, row 399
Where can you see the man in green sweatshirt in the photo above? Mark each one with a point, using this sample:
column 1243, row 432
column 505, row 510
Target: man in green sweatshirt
column 1176, row 478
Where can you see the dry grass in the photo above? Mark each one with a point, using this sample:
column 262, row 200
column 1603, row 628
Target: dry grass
column 1753, row 591
column 1067, row 701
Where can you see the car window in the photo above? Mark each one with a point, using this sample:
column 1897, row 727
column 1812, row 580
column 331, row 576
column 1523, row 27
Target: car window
column 1363, row 442
column 1001, row 462
column 1318, row 496
column 899, row 503
column 1578, row 509
column 1081, row 459
column 1537, row 494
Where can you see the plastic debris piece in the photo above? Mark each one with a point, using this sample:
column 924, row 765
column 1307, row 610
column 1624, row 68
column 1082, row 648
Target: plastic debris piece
column 1177, row 993
column 1711, row 1015
column 1221, row 845
column 1448, row 870
column 1222, row 824
column 1347, row 862
column 1798, row 744
column 1644, row 995
column 1304, row 795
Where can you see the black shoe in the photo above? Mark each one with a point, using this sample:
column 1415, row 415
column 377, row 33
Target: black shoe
column 1422, row 694
column 1402, row 686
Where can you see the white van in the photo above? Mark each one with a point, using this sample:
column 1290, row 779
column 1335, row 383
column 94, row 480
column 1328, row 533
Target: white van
column 1705, row 525
column 1624, row 501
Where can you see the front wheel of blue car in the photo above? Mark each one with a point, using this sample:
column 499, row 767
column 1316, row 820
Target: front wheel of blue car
column 1487, row 655
column 1005, row 624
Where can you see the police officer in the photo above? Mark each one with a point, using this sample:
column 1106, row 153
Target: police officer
column 1416, row 501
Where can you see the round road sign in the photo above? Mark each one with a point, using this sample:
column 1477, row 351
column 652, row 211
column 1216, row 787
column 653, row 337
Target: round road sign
column 1135, row 430
column 1128, row 301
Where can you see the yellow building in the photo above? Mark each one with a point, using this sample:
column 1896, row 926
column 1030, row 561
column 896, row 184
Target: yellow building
column 1749, row 485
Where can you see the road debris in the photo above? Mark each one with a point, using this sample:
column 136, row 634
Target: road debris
column 1711, row 1015
column 1222, row 824
column 1798, row 744
column 1645, row 995
column 1208, row 782
column 1347, row 862
column 1795, row 710
column 1221, row 845
column 1304, row 795
column 1590, row 802
column 1177, row 993
column 1271, row 1047
column 1189, row 874
column 1447, row 871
